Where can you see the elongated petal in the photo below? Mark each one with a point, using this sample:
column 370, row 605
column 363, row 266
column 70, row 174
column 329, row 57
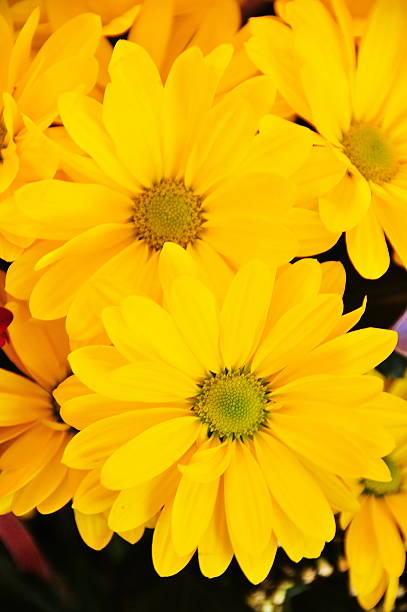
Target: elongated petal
column 215, row 551
column 139, row 504
column 195, row 312
column 166, row 561
column 298, row 331
column 192, row 510
column 242, row 319
column 294, row 488
column 247, row 502
column 93, row 529
column 90, row 447
column 354, row 353
column 150, row 453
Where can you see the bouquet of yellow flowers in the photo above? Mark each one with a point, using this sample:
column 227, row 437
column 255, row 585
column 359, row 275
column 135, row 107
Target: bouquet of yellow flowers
column 180, row 368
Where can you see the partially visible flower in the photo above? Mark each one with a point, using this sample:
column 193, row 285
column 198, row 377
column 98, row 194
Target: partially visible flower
column 376, row 535
column 355, row 98
column 30, row 84
column 33, row 435
column 234, row 419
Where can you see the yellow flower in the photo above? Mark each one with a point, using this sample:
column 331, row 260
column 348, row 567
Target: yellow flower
column 235, row 417
column 165, row 163
column 32, row 434
column 30, row 85
column 376, row 537
column 356, row 101
column 376, row 534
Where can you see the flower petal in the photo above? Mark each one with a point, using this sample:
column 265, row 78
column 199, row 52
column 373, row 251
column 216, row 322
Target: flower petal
column 150, row 453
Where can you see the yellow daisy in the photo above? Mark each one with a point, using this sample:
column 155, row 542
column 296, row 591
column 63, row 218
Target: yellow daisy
column 356, row 101
column 376, row 538
column 32, row 434
column 376, row 535
column 30, row 84
column 164, row 163
column 234, row 419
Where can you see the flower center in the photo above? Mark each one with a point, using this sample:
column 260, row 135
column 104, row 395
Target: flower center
column 168, row 211
column 371, row 152
column 373, row 487
column 233, row 403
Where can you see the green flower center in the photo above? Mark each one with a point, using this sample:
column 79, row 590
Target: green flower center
column 373, row 487
column 233, row 404
column 371, row 152
column 168, row 211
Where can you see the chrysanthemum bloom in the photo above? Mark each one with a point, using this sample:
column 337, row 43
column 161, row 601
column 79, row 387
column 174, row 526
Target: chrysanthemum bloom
column 32, row 433
column 234, row 420
column 30, row 85
column 165, row 163
column 376, row 537
column 356, row 101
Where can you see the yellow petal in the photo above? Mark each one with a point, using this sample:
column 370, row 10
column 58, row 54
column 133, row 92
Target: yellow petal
column 90, row 447
column 367, row 247
column 174, row 261
column 93, row 529
column 256, row 566
column 329, row 389
column 389, row 542
column 344, row 206
column 90, row 496
column 220, row 144
column 308, row 228
column 354, row 353
column 215, row 550
column 188, row 94
column 147, row 381
column 294, row 488
column 281, row 145
column 83, row 410
column 192, row 510
column 242, row 319
column 360, row 542
column 343, row 454
column 137, row 505
column 271, row 48
column 166, row 561
column 298, row 331
column 240, row 238
column 82, row 118
column 136, row 126
column 150, row 453
column 195, row 313
column 40, row 487
column 154, row 334
column 209, row 462
column 92, row 365
column 377, row 69
column 247, row 502
column 208, row 260
column 75, row 261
